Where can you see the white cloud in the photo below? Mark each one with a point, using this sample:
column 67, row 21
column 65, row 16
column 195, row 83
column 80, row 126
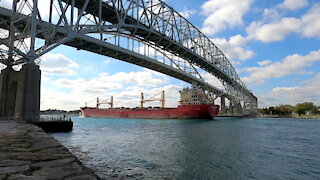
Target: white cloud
column 186, row 13
column 209, row 78
column 115, row 81
column 290, row 65
column 311, row 22
column 233, row 47
column 125, row 87
column 275, row 31
column 43, row 3
column 238, row 40
column 58, row 71
column 57, row 64
column 4, row 33
column 278, row 10
column 2, row 67
column 107, row 61
column 309, row 92
column 284, row 89
column 97, row 85
column 144, row 78
column 43, row 7
column 264, row 63
column 51, row 98
column 308, row 25
column 223, row 14
column 6, row 4
column 294, row 4
column 272, row 13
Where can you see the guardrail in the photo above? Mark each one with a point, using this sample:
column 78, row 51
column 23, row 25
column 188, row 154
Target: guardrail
column 55, row 118
column 45, row 118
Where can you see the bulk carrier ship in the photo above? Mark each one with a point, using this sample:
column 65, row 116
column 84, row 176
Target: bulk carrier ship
column 193, row 104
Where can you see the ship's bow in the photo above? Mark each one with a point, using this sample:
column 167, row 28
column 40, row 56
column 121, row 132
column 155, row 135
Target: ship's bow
column 213, row 110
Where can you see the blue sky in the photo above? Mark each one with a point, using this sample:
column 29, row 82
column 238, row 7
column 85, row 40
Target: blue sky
column 273, row 45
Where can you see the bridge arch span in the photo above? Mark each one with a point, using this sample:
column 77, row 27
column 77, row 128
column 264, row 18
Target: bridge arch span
column 127, row 30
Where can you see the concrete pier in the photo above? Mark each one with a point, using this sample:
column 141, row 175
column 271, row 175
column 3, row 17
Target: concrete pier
column 26, row 152
column 223, row 105
column 238, row 108
column 230, row 110
column 20, row 92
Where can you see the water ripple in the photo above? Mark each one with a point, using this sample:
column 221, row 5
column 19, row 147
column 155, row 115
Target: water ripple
column 189, row 149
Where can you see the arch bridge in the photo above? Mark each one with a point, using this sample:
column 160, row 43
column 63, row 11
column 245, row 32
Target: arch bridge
column 148, row 33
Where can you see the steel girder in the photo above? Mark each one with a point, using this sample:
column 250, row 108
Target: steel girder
column 129, row 30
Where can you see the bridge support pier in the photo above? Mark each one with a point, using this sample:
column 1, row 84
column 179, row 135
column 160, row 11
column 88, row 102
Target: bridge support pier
column 5, row 109
column 223, row 105
column 238, row 108
column 231, row 110
column 245, row 108
column 20, row 92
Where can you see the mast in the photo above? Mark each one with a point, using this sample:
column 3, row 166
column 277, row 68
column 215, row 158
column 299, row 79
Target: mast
column 142, row 100
column 111, row 102
column 162, row 99
column 98, row 103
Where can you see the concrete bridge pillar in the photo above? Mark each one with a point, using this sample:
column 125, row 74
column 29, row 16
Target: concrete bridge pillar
column 223, row 105
column 245, row 108
column 20, row 92
column 231, row 111
column 4, row 93
column 238, row 108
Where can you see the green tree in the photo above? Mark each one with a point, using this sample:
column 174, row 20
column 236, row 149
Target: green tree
column 271, row 110
column 264, row 111
column 283, row 109
column 302, row 108
column 315, row 110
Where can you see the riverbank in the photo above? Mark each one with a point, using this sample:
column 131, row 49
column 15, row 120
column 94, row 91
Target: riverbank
column 27, row 152
column 289, row 116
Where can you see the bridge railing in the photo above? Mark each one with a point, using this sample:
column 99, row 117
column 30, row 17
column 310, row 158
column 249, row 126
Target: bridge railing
column 55, row 118
column 42, row 118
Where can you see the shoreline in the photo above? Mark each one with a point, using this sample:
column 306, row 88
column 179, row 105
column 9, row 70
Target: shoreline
column 289, row 117
column 27, row 152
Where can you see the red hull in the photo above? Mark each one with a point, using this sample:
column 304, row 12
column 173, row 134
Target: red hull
column 203, row 111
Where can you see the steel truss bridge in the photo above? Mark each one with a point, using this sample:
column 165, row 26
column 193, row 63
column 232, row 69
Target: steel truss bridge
column 148, row 33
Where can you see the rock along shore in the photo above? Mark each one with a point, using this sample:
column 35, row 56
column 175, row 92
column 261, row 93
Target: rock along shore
column 27, row 152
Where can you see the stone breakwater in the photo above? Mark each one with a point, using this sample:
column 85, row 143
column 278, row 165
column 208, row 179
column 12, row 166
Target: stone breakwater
column 27, row 152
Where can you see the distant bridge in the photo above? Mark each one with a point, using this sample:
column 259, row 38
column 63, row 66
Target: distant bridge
column 147, row 33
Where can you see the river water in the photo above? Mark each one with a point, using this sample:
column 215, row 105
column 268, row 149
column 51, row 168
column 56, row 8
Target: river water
column 197, row 149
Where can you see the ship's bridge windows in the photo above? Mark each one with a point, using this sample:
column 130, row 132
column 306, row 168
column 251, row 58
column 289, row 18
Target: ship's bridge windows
column 194, row 96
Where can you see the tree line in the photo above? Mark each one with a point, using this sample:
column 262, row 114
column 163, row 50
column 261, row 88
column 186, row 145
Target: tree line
column 58, row 111
column 306, row 108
